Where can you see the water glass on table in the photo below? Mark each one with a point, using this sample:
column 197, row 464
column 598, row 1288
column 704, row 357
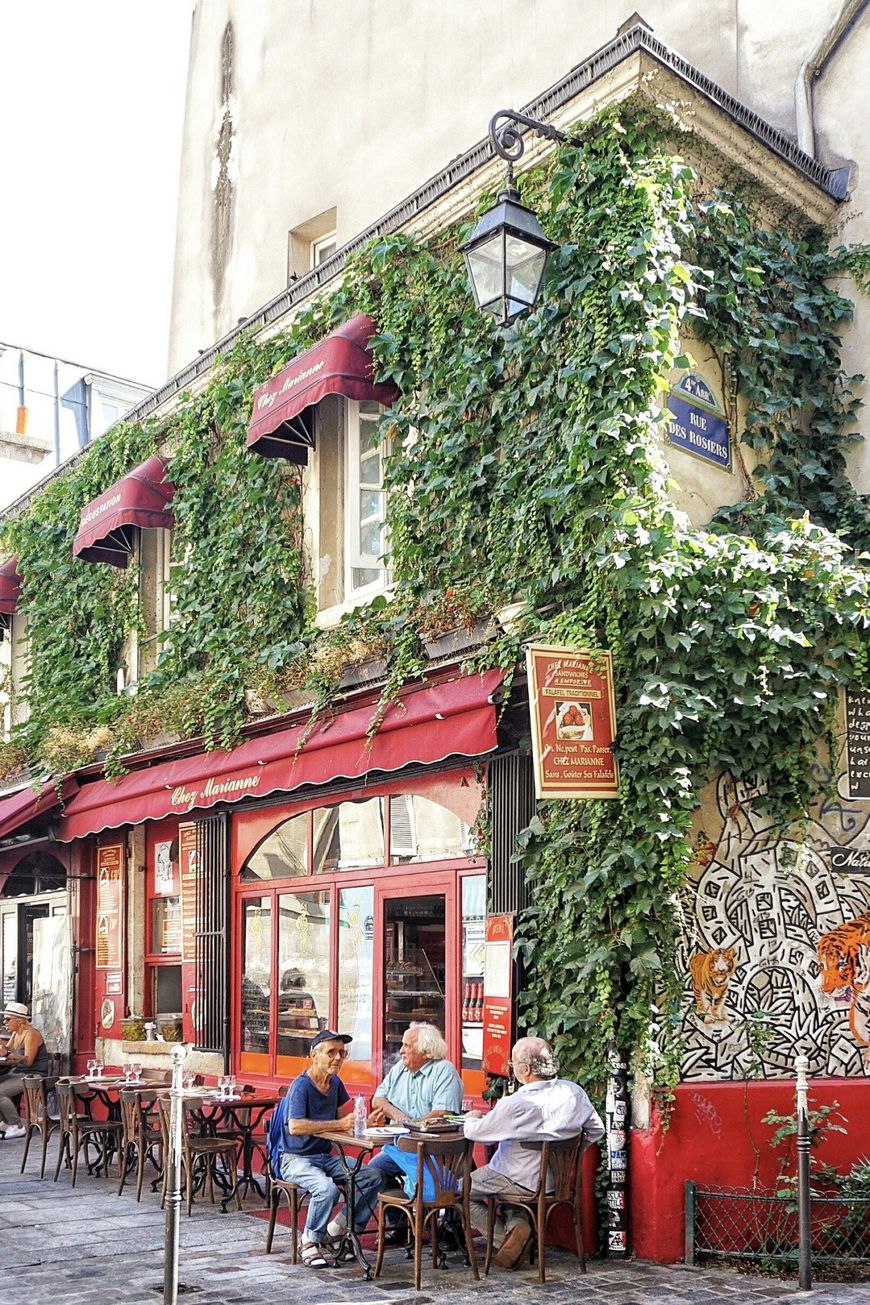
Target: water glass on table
column 222, row 1086
column 92, row 1066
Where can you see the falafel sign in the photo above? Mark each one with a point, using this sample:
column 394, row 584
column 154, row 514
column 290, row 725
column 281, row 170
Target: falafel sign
column 573, row 722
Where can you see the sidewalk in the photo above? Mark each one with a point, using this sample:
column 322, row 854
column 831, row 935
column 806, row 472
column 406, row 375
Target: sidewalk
column 91, row 1247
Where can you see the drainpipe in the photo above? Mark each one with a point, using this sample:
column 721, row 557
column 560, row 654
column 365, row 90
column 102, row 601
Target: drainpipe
column 811, row 69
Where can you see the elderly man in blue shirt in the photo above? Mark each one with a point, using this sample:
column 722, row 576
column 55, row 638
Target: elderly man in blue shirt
column 421, row 1086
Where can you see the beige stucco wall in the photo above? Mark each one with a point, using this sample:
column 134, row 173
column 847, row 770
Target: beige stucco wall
column 352, row 105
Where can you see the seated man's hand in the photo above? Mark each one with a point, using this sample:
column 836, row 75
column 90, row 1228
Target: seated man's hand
column 377, row 1118
column 345, row 1124
column 474, row 1114
column 434, row 1116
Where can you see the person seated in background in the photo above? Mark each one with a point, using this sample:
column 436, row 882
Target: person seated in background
column 544, row 1108
column 25, row 1054
column 315, row 1101
column 423, row 1086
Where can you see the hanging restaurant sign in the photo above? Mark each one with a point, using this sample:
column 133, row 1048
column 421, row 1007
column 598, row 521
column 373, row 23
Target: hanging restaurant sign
column 697, row 422
column 573, row 723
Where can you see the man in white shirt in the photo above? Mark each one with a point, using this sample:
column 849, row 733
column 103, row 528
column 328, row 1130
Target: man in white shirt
column 543, row 1109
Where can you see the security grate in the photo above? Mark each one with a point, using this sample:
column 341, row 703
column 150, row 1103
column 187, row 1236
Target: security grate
column 211, row 950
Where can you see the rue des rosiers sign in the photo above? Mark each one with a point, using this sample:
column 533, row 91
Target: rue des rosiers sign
column 573, row 720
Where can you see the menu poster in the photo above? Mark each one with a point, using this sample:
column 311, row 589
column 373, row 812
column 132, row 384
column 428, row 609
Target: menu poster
column 573, row 723
column 110, row 901
column 165, row 884
column 498, row 994
column 858, row 742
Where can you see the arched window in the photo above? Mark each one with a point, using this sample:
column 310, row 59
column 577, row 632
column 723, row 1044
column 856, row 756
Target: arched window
column 38, row 872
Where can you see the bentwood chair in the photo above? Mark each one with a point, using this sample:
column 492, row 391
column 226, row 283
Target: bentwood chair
column 297, row 1199
column 200, row 1153
column 447, row 1162
column 560, row 1164
column 80, row 1131
column 142, row 1137
column 37, row 1116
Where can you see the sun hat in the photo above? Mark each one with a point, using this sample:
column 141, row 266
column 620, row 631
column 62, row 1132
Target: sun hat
column 15, row 1008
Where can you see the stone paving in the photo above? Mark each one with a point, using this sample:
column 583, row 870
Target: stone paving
column 91, row 1247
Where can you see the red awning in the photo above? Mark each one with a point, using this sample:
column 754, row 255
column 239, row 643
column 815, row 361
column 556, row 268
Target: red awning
column 281, row 423
column 10, row 587
column 141, row 498
column 22, row 807
column 426, row 725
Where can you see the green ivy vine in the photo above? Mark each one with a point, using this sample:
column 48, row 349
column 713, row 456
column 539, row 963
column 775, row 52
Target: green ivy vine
column 525, row 463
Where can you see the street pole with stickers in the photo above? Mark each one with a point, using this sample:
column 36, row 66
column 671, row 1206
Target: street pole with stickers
column 617, row 1111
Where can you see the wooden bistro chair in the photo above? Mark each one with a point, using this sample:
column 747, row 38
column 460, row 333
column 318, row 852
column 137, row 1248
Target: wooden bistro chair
column 80, row 1131
column 448, row 1163
column 142, row 1136
column 200, row 1153
column 296, row 1197
column 37, row 1118
column 561, row 1162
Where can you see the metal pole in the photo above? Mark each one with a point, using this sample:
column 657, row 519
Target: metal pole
column 172, row 1162
column 805, row 1262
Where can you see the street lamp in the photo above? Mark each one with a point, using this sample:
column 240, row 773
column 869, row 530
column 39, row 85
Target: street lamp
column 507, row 251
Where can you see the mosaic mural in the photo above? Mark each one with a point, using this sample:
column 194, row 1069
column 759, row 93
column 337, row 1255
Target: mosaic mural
column 777, row 938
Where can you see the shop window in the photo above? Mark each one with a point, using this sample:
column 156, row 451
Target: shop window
column 283, row 855
column 349, row 836
column 473, row 941
column 303, row 963
column 414, row 966
column 422, row 830
column 256, row 974
column 39, row 872
column 163, row 967
column 154, row 563
column 356, row 931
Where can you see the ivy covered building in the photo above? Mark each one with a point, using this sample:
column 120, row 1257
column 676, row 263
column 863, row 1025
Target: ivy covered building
column 270, row 763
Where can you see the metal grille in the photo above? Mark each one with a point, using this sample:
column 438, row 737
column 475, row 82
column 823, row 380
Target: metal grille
column 211, row 951
column 512, row 792
column 741, row 1224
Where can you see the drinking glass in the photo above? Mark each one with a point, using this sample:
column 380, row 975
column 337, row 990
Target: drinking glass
column 92, row 1066
column 187, row 1080
column 231, row 1086
column 135, row 1070
column 222, row 1086
column 99, row 1069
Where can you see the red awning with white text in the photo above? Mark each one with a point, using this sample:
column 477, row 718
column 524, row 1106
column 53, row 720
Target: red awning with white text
column 20, row 808
column 281, row 423
column 425, row 725
column 141, row 498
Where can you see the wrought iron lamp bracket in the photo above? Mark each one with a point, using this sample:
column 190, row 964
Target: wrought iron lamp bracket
column 508, row 141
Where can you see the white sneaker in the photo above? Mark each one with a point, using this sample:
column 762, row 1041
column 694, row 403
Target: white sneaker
column 14, row 1130
column 337, row 1227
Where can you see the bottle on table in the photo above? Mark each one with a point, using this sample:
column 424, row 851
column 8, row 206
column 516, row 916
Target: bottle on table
column 360, row 1116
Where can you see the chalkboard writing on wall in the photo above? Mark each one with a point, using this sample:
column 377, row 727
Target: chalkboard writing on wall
column 858, row 742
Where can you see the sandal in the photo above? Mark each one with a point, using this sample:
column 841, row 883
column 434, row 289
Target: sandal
column 312, row 1256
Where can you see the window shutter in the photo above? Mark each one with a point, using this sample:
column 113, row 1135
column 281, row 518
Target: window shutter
column 212, row 943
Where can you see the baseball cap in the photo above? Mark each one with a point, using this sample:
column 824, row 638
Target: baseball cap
column 327, row 1035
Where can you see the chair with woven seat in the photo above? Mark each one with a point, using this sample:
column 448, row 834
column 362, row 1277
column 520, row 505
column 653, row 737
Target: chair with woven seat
column 79, row 1131
column 142, row 1136
column 560, row 1165
column 200, row 1152
column 296, row 1197
column 447, row 1164
column 37, row 1116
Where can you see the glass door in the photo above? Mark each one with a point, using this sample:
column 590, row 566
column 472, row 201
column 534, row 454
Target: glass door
column 418, row 965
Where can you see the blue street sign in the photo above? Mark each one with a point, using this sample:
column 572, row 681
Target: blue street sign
column 697, row 423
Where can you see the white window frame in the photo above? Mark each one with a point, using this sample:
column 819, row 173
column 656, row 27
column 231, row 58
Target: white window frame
column 353, row 557
column 322, row 248
column 163, row 607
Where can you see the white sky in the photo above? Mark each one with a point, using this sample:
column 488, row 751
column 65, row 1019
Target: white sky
column 91, row 114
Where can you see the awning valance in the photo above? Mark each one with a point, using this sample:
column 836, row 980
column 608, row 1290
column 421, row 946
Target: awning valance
column 20, row 808
column 282, row 424
column 141, row 498
column 455, row 718
column 10, row 587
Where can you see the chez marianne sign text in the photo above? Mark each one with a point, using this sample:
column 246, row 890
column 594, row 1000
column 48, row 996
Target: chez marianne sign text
column 573, row 723
column 213, row 790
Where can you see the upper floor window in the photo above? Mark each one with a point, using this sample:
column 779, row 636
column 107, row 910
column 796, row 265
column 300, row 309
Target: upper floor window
column 311, row 243
column 323, row 249
column 365, row 524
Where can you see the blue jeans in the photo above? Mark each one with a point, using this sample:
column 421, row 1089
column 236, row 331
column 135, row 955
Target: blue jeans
column 315, row 1173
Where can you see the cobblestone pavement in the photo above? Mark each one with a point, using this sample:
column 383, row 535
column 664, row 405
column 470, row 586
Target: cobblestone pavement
column 91, row 1247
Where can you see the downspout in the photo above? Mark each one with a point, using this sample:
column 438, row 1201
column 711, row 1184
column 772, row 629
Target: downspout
column 811, row 69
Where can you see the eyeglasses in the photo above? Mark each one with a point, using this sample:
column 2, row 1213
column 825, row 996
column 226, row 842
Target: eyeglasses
column 336, row 1055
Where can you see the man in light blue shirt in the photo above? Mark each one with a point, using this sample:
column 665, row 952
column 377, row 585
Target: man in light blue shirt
column 422, row 1085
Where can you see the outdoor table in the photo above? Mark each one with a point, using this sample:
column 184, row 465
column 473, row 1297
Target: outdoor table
column 372, row 1140
column 244, row 1114
column 363, row 1146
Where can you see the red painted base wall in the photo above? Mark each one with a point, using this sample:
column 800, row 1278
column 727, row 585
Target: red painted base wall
column 716, row 1136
